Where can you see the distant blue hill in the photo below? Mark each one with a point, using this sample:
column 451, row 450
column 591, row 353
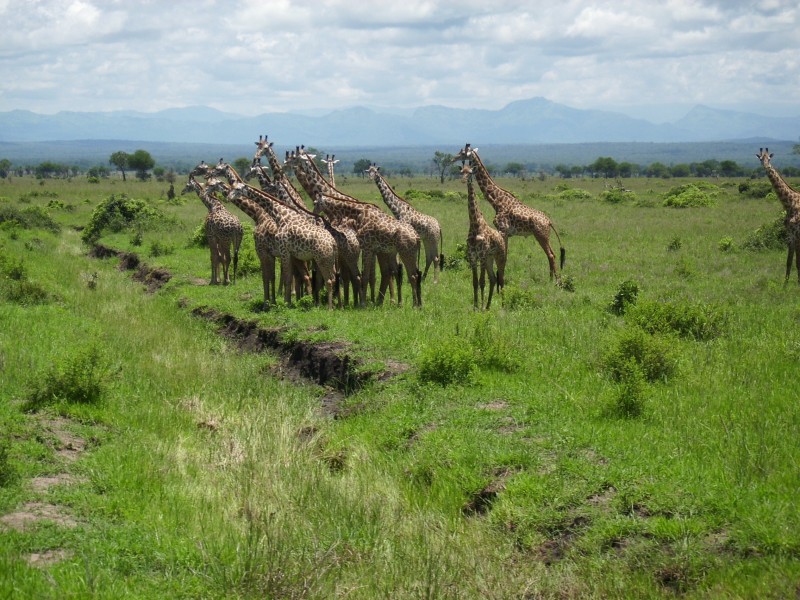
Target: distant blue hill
column 533, row 121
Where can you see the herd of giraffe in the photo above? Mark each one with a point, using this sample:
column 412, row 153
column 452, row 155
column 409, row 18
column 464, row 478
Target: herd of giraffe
column 336, row 246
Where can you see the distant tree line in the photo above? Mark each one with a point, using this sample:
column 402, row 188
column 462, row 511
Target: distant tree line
column 143, row 166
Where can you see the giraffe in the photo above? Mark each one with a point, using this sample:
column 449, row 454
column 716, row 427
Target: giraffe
column 330, row 160
column 223, row 230
column 297, row 237
column 263, row 234
column 512, row 217
column 485, row 246
column 426, row 226
column 347, row 244
column 380, row 235
column 790, row 199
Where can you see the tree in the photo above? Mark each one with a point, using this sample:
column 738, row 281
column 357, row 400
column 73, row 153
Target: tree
column 120, row 160
column 360, row 166
column 657, row 169
column 5, row 168
column 516, row 169
column 680, row 170
column 730, row 168
column 442, row 161
column 242, row 165
column 606, row 166
column 564, row 171
column 796, row 149
column 141, row 162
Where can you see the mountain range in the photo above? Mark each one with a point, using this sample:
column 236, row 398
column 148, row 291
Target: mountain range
column 532, row 121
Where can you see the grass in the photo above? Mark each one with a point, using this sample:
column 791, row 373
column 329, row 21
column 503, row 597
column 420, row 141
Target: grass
column 514, row 458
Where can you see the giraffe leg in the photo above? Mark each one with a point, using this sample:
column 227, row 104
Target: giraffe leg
column 789, row 257
column 226, row 261
column 492, row 279
column 797, row 258
column 482, row 281
column 474, row 266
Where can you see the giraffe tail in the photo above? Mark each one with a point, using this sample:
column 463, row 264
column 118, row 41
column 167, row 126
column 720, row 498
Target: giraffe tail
column 563, row 256
column 441, row 249
column 235, row 263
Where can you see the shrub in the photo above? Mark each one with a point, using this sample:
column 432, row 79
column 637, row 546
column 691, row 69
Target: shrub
column 617, row 195
column 28, row 218
column 458, row 259
column 158, row 248
column 566, row 283
column 770, row 236
column 516, row 298
column 755, row 188
column 687, row 320
column 198, row 238
column 574, row 194
column 630, row 394
column 15, row 286
column 447, row 361
column 626, row 295
column 116, row 213
column 689, row 195
column 249, row 263
column 652, row 354
column 81, row 378
column 725, row 244
column 675, row 244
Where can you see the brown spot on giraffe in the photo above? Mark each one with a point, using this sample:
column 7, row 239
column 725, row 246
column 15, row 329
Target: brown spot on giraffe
column 485, row 246
column 512, row 217
column 790, row 199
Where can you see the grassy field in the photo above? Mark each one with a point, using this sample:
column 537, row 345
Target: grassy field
column 630, row 433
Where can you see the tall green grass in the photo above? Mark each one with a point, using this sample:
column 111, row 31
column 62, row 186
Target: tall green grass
column 553, row 469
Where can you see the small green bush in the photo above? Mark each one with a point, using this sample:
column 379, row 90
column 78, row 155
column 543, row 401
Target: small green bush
column 249, row 263
column 493, row 348
column 691, row 195
column 725, row 244
column 198, row 238
column 770, row 236
column 158, row 248
column 81, row 378
column 626, row 295
column 675, row 244
column 617, row 196
column 448, row 361
column 755, row 188
column 574, row 194
column 630, row 393
column 653, row 355
column 688, row 320
column 517, row 298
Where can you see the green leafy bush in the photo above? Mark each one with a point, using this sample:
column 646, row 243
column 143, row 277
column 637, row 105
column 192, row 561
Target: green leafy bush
column 15, row 286
column 574, row 194
column 652, row 354
column 116, row 213
column 687, row 320
column 29, row 218
column 629, row 396
column 81, row 378
column 617, row 195
column 725, row 244
column 198, row 238
column 448, row 361
column 517, row 298
column 758, row 188
column 626, row 295
column 690, row 195
column 493, row 349
column 770, row 236
column 7, row 471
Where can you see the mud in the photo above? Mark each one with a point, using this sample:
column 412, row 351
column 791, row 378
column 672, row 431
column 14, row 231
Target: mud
column 153, row 278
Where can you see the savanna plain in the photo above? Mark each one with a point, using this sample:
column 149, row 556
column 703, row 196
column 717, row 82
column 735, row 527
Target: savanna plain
column 631, row 432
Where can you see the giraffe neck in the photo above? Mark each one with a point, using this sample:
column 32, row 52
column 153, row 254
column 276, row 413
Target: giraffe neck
column 396, row 204
column 232, row 175
column 493, row 193
column 330, row 174
column 281, row 213
column 341, row 209
column 789, row 197
column 476, row 220
column 250, row 208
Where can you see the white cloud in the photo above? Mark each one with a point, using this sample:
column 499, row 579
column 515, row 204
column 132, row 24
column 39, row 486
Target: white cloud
column 255, row 56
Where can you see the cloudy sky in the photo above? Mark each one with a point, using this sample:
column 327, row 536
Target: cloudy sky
column 647, row 58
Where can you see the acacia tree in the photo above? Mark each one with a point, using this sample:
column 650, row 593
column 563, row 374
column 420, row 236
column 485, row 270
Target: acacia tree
column 442, row 161
column 360, row 166
column 5, row 168
column 120, row 160
column 141, row 162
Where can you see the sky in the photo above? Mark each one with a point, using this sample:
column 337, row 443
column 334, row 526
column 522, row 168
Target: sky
column 650, row 59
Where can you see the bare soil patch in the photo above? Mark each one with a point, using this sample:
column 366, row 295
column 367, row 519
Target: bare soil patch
column 48, row 557
column 31, row 513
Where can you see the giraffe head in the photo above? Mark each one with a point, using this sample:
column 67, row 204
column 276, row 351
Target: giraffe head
column 466, row 153
column 373, row 171
column 764, row 156
column 466, row 171
column 201, row 169
column 191, row 186
column 216, row 185
column 236, row 191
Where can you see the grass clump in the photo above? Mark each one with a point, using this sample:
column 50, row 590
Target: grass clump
column 755, row 188
column 517, row 298
column 574, row 194
column 80, row 378
column 7, row 471
column 29, row 218
column 700, row 322
column 630, row 394
column 691, row 195
column 15, row 287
